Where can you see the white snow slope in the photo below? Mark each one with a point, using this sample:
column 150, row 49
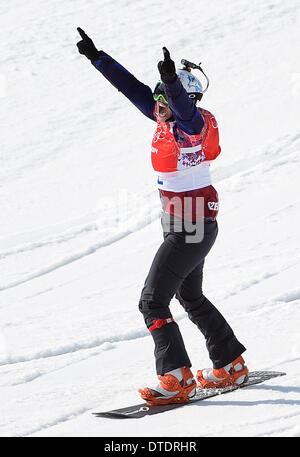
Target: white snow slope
column 77, row 239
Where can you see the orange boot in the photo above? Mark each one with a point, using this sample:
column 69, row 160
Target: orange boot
column 177, row 386
column 235, row 373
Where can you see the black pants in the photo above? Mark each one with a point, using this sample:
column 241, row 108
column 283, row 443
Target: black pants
column 177, row 268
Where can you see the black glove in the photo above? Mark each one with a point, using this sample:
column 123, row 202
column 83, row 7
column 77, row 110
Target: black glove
column 86, row 46
column 167, row 68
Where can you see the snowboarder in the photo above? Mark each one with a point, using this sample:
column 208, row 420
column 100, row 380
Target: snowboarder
column 185, row 141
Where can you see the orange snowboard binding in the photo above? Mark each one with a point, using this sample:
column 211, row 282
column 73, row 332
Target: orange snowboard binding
column 176, row 386
column 235, row 373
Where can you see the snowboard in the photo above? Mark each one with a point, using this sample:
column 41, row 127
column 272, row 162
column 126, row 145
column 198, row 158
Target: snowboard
column 142, row 409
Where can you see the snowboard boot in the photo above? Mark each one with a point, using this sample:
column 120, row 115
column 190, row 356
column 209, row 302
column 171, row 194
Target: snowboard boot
column 177, row 386
column 235, row 373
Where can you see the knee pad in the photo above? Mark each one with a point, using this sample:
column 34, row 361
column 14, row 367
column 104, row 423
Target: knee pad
column 152, row 299
column 152, row 307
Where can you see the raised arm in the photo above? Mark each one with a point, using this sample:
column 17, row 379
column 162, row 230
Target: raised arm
column 138, row 93
column 183, row 108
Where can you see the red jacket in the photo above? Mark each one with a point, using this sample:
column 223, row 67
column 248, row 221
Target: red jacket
column 182, row 163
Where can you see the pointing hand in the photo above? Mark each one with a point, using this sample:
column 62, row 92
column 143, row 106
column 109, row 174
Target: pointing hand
column 167, row 68
column 86, row 46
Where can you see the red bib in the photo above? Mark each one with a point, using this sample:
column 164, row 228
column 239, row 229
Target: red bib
column 165, row 150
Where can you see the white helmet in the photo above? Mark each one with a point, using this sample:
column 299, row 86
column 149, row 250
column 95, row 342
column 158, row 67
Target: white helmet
column 191, row 84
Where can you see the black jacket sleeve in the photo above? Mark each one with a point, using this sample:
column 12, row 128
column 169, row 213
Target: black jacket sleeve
column 138, row 93
column 184, row 110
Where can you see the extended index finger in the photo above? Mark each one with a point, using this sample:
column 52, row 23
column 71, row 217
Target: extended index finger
column 166, row 53
column 82, row 33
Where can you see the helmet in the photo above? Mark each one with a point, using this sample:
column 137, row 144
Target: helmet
column 191, row 84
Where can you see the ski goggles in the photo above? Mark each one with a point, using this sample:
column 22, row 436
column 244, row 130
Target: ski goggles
column 159, row 94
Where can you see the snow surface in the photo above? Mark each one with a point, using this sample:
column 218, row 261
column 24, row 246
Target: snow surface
column 76, row 240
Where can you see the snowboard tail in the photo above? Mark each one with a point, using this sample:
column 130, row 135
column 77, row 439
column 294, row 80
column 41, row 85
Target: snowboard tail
column 142, row 409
